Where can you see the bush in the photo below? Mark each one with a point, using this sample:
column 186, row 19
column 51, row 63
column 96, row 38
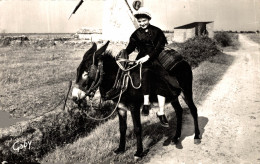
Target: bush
column 5, row 41
column 198, row 49
column 223, row 38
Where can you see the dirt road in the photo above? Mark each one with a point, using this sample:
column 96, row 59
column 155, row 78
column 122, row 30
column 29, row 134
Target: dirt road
column 229, row 117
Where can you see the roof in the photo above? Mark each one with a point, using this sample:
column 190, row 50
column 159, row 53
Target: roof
column 191, row 25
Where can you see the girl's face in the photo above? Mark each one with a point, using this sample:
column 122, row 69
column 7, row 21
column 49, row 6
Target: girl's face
column 143, row 22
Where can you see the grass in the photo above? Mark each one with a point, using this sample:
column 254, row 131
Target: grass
column 33, row 81
column 97, row 147
column 254, row 37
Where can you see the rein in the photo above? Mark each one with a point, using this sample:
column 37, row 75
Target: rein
column 114, row 110
column 128, row 71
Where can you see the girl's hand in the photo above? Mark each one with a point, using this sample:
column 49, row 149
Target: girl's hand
column 143, row 59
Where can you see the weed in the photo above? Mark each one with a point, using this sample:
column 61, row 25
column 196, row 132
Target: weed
column 223, row 38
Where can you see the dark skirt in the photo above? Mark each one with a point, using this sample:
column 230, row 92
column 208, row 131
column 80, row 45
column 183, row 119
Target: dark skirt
column 153, row 78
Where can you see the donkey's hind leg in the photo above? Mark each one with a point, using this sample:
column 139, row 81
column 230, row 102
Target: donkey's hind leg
column 183, row 73
column 178, row 110
column 122, row 114
column 194, row 112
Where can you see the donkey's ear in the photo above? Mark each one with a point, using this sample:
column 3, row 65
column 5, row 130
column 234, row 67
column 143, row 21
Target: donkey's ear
column 90, row 52
column 79, row 71
column 101, row 50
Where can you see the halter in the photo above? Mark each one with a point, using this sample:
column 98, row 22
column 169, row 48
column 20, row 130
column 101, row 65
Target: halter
column 97, row 81
column 98, row 77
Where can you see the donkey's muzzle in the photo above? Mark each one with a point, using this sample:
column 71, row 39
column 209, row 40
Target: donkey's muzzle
column 78, row 94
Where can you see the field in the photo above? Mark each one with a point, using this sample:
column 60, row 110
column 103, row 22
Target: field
column 34, row 78
column 37, row 78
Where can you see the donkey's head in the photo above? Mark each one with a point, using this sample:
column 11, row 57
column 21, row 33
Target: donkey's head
column 89, row 74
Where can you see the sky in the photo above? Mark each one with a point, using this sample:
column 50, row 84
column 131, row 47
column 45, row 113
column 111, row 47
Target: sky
column 51, row 16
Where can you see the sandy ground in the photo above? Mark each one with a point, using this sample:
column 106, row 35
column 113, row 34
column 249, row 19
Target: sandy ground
column 228, row 118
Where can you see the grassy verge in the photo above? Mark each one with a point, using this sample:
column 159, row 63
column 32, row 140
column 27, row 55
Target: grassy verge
column 45, row 132
column 254, row 37
column 97, row 147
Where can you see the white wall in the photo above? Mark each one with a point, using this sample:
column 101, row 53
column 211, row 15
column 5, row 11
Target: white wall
column 179, row 35
column 117, row 21
column 190, row 33
column 210, row 28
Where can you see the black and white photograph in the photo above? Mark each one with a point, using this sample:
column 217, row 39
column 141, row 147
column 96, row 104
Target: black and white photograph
column 130, row 81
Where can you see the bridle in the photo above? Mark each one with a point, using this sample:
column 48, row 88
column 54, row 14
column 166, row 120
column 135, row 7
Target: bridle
column 96, row 73
column 98, row 77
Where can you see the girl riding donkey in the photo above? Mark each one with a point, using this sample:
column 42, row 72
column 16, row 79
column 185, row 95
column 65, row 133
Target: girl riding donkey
column 150, row 41
column 98, row 69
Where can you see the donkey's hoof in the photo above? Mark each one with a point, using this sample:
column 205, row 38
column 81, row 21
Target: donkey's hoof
column 197, row 141
column 119, row 151
column 138, row 156
column 175, row 140
column 136, row 159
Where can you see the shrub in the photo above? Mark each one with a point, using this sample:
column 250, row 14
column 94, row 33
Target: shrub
column 5, row 41
column 198, row 49
column 223, row 38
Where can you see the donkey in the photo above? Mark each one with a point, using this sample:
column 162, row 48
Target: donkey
column 88, row 75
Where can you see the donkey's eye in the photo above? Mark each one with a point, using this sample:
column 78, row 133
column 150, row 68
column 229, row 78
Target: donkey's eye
column 84, row 75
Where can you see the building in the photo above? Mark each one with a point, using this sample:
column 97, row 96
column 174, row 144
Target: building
column 93, row 35
column 184, row 32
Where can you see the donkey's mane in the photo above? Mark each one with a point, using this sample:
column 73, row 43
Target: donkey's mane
column 109, row 61
column 108, row 55
column 108, row 58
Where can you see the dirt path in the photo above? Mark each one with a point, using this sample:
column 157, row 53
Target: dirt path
column 231, row 132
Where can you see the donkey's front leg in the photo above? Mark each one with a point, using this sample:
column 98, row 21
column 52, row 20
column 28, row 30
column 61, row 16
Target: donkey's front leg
column 135, row 112
column 122, row 114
